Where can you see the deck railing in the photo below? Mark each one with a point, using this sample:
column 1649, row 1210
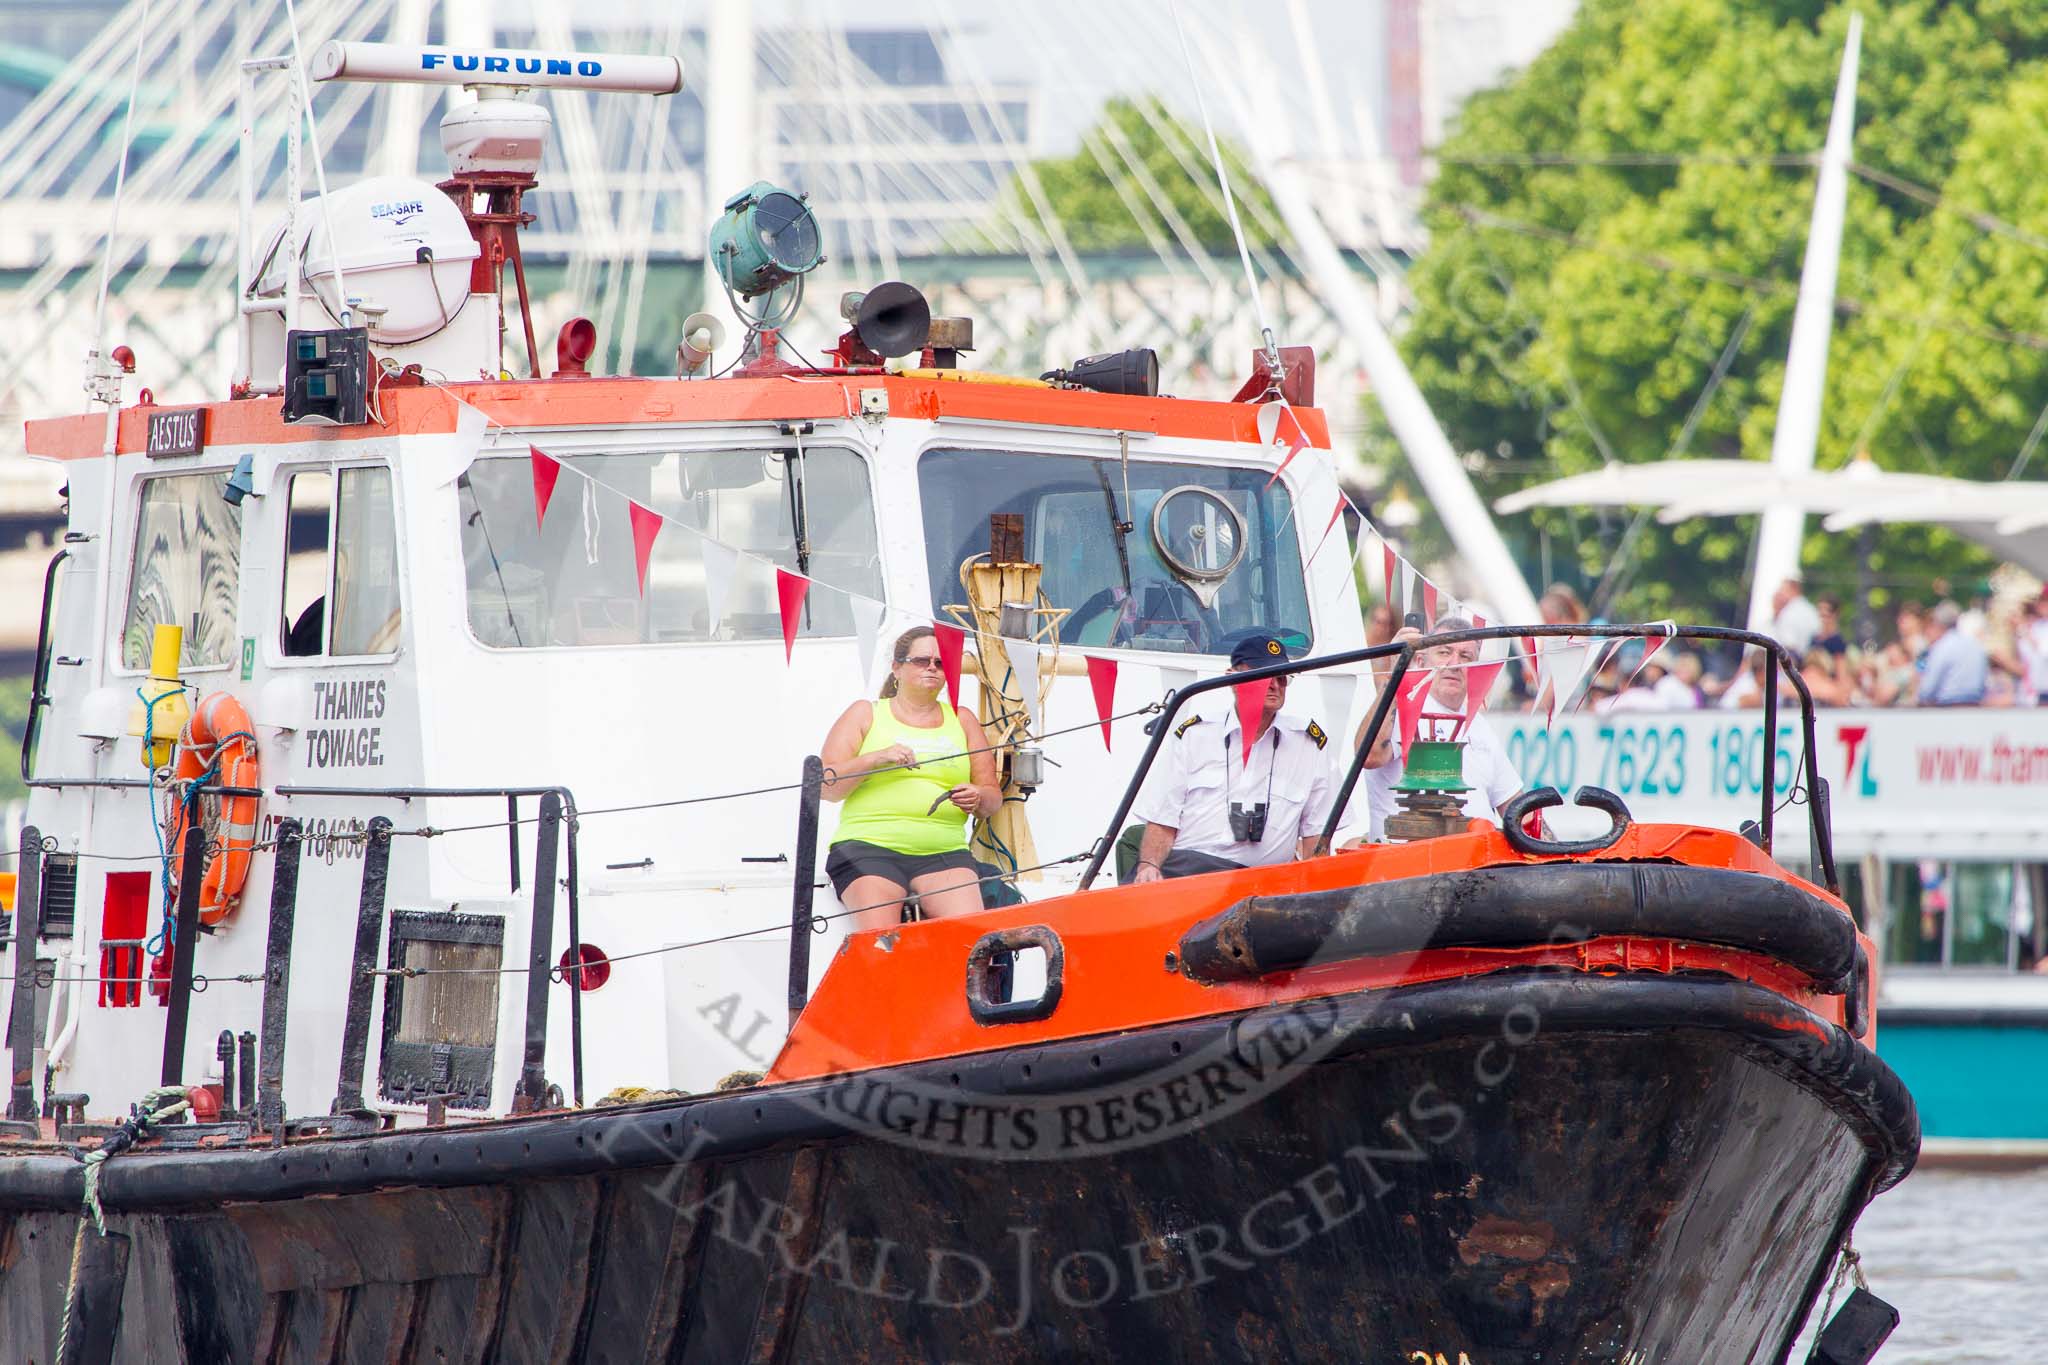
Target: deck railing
column 1402, row 654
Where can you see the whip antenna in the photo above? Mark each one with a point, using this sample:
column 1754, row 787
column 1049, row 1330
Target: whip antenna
column 1244, row 254
column 319, row 170
column 94, row 383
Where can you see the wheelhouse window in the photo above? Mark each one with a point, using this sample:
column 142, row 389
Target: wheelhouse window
column 186, row 570
column 341, row 590
column 1210, row 554
column 1967, row 914
column 572, row 579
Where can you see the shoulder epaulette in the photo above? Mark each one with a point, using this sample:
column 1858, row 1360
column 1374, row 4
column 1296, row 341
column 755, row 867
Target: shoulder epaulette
column 1186, row 725
column 1315, row 732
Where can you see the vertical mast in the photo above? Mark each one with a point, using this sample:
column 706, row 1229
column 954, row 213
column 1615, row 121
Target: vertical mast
column 1429, row 451
column 729, row 134
column 1806, row 366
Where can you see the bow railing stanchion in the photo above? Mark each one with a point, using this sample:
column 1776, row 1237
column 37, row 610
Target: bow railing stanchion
column 533, row 1083
column 277, row 976
column 21, row 1030
column 801, row 889
column 1767, row 823
column 362, row 981
column 1381, row 706
column 512, row 835
column 1817, row 813
column 573, row 974
column 191, row 871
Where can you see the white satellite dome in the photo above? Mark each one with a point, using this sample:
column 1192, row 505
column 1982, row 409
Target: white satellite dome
column 404, row 249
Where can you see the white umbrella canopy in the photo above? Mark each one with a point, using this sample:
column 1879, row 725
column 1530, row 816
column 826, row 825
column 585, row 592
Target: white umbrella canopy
column 2007, row 507
column 2008, row 519
column 1631, row 485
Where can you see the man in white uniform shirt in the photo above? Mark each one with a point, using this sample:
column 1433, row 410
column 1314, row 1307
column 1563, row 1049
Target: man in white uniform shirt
column 1490, row 777
column 1208, row 806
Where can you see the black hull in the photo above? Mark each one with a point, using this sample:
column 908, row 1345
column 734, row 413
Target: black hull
column 1521, row 1167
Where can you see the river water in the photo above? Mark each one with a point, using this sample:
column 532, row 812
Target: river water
column 1963, row 1256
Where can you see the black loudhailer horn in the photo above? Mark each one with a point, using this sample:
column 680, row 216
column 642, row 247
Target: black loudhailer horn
column 893, row 319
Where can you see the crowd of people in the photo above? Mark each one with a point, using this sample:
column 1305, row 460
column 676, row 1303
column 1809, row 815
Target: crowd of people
column 1943, row 655
column 909, row 771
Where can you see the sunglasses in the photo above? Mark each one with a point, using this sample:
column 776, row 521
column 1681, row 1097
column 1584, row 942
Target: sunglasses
column 923, row 661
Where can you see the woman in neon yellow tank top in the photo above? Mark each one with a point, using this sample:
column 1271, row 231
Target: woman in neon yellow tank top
column 908, row 771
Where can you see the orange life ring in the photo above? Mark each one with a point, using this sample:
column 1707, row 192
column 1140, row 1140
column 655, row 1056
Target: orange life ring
column 219, row 730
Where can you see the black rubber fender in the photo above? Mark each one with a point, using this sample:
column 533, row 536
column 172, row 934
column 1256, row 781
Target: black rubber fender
column 1522, row 906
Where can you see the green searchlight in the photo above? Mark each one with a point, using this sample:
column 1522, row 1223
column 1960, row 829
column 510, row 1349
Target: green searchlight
column 766, row 238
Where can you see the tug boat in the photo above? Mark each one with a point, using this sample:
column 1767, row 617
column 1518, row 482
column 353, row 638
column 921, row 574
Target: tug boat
column 426, row 961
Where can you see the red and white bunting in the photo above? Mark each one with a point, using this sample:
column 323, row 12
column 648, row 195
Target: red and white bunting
column 790, row 590
column 951, row 642
column 868, row 615
column 721, row 562
column 1388, row 577
column 1251, row 707
column 1408, row 702
column 546, row 469
column 1289, row 431
column 1023, row 656
column 647, row 524
column 1428, row 605
column 1479, row 680
column 1335, row 513
column 1558, row 673
column 1102, row 682
column 1649, row 653
column 1338, row 691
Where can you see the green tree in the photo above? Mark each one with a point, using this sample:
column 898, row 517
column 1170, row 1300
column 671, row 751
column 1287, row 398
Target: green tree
column 13, row 720
column 1611, row 221
column 1141, row 179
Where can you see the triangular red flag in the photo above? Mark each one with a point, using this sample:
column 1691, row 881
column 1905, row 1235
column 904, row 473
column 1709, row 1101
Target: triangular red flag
column 1408, row 704
column 951, row 640
column 1649, row 653
column 1102, row 681
column 546, row 469
column 646, row 526
column 1387, row 584
column 1478, row 682
column 1429, row 604
column 1478, row 621
column 789, row 596
column 1251, row 708
column 1335, row 513
column 1296, row 443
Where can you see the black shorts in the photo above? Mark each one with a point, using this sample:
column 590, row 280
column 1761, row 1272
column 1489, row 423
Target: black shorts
column 852, row 858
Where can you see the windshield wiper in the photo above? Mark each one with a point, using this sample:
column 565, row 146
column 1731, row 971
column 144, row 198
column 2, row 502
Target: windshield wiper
column 1120, row 528
column 799, row 503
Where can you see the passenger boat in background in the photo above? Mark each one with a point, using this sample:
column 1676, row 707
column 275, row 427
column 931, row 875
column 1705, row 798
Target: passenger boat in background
column 530, row 876
column 1937, row 822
